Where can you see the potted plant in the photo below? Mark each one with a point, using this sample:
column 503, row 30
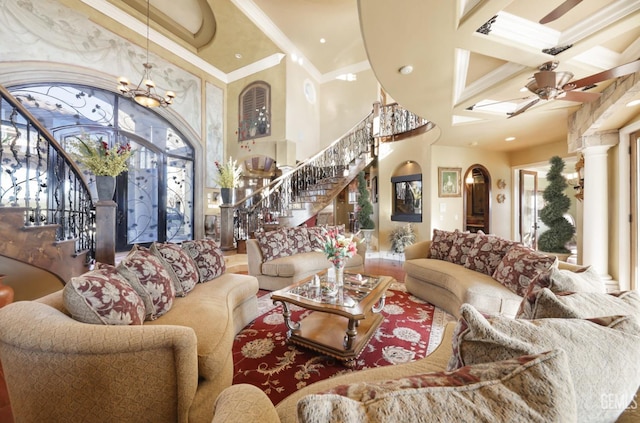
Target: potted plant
column 401, row 237
column 557, row 203
column 103, row 161
column 365, row 210
column 228, row 179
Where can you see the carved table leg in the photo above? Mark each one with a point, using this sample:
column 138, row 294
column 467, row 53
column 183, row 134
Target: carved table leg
column 352, row 331
column 379, row 305
column 286, row 313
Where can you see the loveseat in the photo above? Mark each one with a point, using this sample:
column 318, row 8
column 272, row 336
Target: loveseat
column 281, row 257
column 487, row 271
column 569, row 356
column 79, row 355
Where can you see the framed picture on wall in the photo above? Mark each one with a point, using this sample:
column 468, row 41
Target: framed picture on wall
column 449, row 183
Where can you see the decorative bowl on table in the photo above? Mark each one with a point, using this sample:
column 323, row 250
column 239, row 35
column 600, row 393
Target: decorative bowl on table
column 328, row 288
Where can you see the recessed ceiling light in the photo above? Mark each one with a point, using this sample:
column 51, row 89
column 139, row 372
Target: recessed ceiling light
column 238, row 56
column 633, row 103
column 524, row 89
column 473, row 144
column 406, row 70
column 322, row 41
column 509, row 139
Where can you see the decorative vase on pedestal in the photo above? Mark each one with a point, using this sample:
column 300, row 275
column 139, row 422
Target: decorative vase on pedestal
column 106, row 187
column 228, row 195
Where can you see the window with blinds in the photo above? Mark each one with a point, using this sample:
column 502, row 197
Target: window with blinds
column 254, row 119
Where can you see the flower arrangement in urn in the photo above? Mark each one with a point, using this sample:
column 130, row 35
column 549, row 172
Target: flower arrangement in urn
column 228, row 174
column 101, row 159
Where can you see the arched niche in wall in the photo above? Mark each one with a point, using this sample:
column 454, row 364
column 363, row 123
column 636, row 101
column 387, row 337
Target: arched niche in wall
column 406, row 183
column 477, row 199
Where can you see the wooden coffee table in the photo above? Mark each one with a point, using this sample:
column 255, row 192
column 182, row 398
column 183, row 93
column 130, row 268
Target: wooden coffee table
column 340, row 325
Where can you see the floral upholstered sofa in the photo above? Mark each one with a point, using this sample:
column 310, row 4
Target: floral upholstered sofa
column 571, row 355
column 283, row 256
column 486, row 271
column 148, row 340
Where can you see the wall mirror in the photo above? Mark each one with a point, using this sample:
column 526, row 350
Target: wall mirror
column 477, row 199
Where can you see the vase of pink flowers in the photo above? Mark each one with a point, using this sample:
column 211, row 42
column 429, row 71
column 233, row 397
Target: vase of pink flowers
column 338, row 248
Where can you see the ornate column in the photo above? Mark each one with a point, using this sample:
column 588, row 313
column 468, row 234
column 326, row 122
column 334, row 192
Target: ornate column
column 595, row 230
column 226, row 227
column 106, row 232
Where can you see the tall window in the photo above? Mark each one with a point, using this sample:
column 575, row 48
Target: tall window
column 254, row 117
column 155, row 196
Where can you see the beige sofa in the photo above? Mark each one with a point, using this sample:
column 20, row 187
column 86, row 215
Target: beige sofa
column 449, row 285
column 242, row 403
column 171, row 369
column 282, row 271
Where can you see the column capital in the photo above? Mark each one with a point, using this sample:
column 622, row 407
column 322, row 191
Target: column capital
column 600, row 141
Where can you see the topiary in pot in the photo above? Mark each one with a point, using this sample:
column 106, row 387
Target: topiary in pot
column 365, row 209
column 557, row 203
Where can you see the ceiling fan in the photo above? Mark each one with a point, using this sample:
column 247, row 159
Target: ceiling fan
column 548, row 84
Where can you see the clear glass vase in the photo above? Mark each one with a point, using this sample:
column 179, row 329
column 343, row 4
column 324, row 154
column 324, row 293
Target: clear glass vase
column 339, row 268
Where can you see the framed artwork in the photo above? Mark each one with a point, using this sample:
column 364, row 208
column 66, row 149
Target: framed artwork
column 407, row 198
column 449, row 183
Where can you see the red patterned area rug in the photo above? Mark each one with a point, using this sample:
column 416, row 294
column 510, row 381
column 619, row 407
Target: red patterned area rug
column 411, row 329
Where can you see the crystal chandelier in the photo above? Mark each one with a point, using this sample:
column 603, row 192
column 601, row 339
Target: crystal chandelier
column 145, row 93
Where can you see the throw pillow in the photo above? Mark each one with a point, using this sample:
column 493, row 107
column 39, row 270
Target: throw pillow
column 441, row 243
column 181, row 267
column 316, row 237
column 520, row 266
column 273, row 244
column 532, row 388
column 579, row 305
column 563, row 280
column 298, row 238
column 596, row 368
column 148, row 276
column 104, row 297
column 462, row 243
column 487, row 252
column 208, row 258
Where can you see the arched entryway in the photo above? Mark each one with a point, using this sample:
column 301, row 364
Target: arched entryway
column 477, row 199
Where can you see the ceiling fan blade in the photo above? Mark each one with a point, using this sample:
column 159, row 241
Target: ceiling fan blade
column 523, row 108
column 559, row 11
column 580, row 96
column 621, row 70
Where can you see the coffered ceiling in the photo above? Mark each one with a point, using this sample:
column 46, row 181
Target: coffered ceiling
column 457, row 70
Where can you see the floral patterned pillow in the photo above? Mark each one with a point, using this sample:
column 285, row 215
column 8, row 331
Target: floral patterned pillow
column 181, row 267
column 298, row 238
column 273, row 244
column 441, row 243
column 316, row 237
column 104, row 297
column 486, row 253
column 460, row 247
column 520, row 266
column 148, row 276
column 208, row 258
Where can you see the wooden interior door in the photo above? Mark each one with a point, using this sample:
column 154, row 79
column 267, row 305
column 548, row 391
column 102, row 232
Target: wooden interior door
column 529, row 208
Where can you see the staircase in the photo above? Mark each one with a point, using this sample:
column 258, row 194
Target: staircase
column 38, row 246
column 300, row 194
column 47, row 216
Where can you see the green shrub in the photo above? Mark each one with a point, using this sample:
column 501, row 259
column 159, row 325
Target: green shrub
column 557, row 203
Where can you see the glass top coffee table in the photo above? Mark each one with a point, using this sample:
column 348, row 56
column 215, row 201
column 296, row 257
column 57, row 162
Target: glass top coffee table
column 342, row 323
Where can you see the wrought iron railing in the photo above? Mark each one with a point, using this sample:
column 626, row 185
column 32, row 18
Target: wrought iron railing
column 37, row 175
column 266, row 205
